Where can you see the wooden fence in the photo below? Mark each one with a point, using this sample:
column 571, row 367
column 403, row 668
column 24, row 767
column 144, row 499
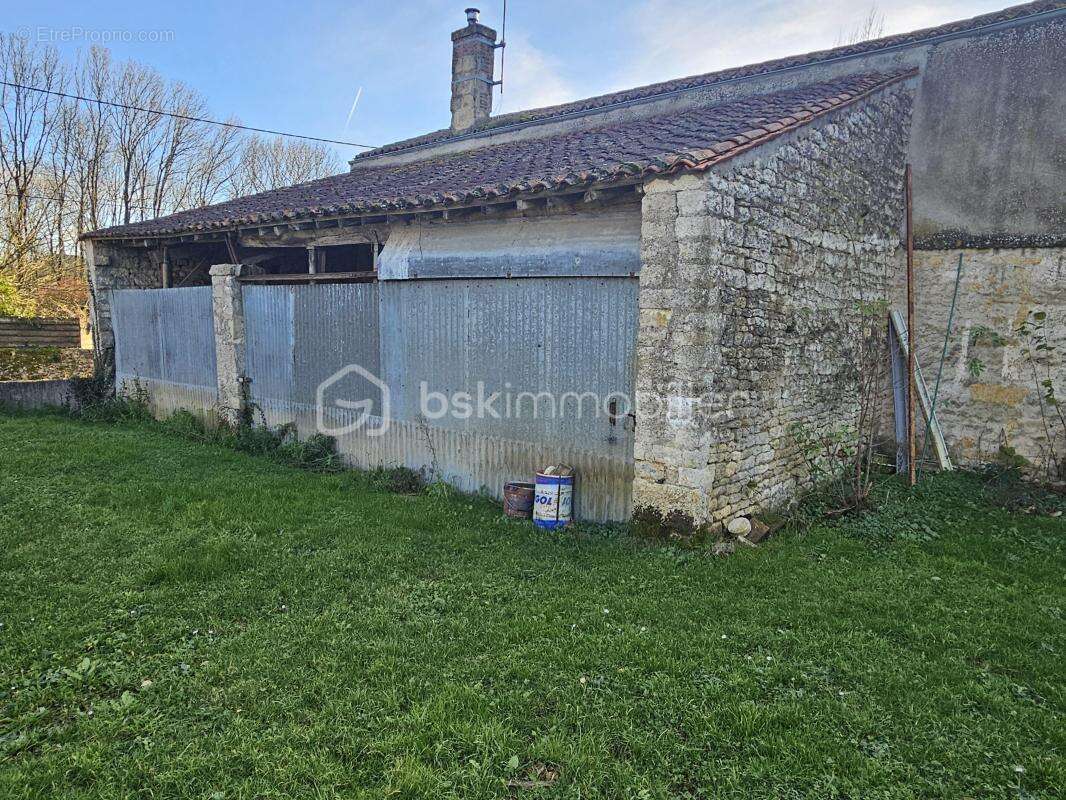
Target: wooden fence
column 39, row 332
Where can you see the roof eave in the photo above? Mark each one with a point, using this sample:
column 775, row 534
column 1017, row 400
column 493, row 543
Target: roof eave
column 624, row 175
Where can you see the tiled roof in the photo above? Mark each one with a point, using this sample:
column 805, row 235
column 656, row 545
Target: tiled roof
column 613, row 153
column 651, row 91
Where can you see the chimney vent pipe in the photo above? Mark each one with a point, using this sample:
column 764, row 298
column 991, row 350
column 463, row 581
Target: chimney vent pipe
column 473, row 57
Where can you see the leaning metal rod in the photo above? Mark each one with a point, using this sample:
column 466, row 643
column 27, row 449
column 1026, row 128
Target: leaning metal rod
column 912, row 450
column 940, row 369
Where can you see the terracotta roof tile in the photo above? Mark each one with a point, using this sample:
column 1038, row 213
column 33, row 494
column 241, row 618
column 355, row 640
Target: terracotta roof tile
column 694, row 138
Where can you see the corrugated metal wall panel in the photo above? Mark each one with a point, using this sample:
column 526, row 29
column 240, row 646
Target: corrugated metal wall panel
column 601, row 243
column 336, row 326
column 187, row 336
column 165, row 335
column 573, row 339
column 135, row 320
column 268, row 330
column 573, row 335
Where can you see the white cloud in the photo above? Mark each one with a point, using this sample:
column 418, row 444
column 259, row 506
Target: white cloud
column 532, row 79
column 677, row 38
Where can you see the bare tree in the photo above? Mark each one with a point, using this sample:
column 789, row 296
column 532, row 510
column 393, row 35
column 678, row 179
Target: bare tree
column 273, row 163
column 28, row 120
column 133, row 149
column 871, row 26
column 92, row 143
column 213, row 167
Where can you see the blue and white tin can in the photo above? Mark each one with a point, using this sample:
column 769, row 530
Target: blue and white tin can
column 553, row 500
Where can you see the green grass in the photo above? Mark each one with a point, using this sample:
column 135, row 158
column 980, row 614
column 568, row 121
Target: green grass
column 184, row 621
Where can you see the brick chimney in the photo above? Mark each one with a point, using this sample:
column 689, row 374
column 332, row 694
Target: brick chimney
column 473, row 59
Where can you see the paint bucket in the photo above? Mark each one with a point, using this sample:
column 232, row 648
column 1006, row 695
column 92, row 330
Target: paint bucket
column 554, row 498
column 518, row 500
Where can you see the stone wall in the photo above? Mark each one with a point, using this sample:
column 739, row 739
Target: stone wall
column 988, row 396
column 749, row 306
column 35, row 394
column 112, row 267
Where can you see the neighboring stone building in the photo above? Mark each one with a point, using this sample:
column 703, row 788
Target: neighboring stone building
column 702, row 244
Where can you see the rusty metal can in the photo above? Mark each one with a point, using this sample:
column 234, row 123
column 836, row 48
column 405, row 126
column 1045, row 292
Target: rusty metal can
column 518, row 499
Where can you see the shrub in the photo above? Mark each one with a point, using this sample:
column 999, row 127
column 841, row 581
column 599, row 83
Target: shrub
column 94, row 402
column 90, row 391
column 189, row 426
column 399, row 480
column 1007, row 485
column 12, row 302
column 318, row 453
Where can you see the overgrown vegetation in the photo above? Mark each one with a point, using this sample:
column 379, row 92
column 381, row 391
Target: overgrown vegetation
column 12, row 301
column 93, row 401
column 400, row 480
column 317, row 452
column 1008, row 484
column 841, row 459
column 179, row 619
column 43, row 363
column 1040, row 355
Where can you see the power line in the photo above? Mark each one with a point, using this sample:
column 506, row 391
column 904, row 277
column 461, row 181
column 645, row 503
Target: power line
column 182, row 116
column 71, row 199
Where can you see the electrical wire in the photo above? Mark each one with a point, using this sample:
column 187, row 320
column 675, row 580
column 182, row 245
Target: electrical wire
column 181, row 116
column 14, row 195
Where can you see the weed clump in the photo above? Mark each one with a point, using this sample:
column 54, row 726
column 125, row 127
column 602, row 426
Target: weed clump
column 317, row 453
column 1007, row 484
column 93, row 401
column 673, row 526
column 398, row 480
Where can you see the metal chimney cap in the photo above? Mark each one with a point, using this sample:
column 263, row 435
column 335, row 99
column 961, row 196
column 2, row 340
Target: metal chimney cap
column 472, row 15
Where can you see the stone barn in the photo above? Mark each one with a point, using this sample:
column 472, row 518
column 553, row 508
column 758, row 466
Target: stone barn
column 653, row 285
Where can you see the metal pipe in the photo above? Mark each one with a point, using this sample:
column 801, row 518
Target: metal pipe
column 912, row 454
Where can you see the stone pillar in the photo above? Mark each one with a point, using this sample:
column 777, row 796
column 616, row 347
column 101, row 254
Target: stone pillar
column 473, row 62
column 228, row 310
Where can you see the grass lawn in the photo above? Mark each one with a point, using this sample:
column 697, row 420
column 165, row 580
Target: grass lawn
column 179, row 620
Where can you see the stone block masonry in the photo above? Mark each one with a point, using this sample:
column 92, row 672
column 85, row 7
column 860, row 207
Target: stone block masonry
column 110, row 268
column 227, row 300
column 988, row 396
column 750, row 291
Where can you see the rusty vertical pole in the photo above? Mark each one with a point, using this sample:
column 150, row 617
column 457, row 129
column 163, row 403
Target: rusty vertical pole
column 164, row 266
column 912, row 450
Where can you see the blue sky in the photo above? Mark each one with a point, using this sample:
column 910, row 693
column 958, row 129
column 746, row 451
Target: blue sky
column 297, row 66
